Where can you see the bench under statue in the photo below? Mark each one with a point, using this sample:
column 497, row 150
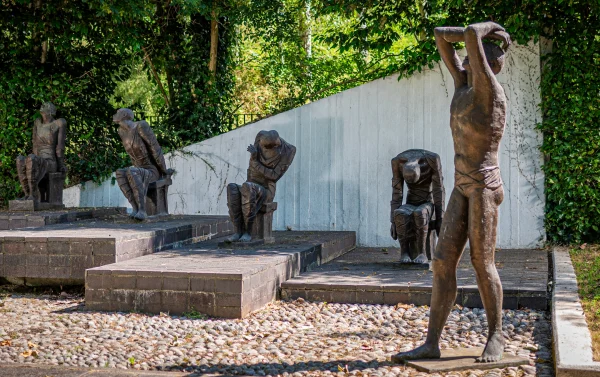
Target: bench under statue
column 251, row 204
column 157, row 197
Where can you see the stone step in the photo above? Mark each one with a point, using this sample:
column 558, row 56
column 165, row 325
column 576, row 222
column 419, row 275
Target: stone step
column 60, row 254
column 17, row 220
column 219, row 282
column 371, row 276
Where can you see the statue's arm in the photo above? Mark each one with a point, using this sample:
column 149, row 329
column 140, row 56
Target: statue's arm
column 272, row 174
column 397, row 185
column 483, row 76
column 150, row 139
column 444, row 37
column 437, row 183
column 62, row 137
column 34, row 137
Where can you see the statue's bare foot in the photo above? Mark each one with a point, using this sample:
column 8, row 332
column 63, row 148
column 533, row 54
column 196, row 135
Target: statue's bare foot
column 422, row 258
column 141, row 215
column 424, row 352
column 235, row 238
column 405, row 258
column 246, row 237
column 133, row 214
column 493, row 349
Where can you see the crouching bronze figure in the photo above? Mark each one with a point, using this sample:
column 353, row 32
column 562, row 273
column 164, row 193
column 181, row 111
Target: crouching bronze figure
column 270, row 158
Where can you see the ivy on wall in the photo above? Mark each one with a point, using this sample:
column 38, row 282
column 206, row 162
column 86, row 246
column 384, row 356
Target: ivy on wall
column 570, row 83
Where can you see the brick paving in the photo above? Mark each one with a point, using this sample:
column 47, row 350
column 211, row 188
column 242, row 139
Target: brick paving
column 220, row 282
column 370, row 276
column 61, row 253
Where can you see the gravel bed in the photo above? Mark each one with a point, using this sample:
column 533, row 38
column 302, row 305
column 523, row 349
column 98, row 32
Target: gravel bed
column 294, row 338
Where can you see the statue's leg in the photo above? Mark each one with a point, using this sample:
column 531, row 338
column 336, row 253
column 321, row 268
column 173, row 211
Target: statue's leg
column 483, row 223
column 22, row 174
column 404, row 229
column 123, row 183
column 35, row 172
column 252, row 198
column 453, row 238
column 138, row 182
column 234, row 203
column 421, row 217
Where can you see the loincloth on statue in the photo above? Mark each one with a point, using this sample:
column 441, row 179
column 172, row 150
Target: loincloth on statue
column 488, row 177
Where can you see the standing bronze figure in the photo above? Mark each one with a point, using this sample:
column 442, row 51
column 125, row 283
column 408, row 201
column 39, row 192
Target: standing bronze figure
column 477, row 121
column 48, row 139
column 412, row 221
column 146, row 157
column 270, row 158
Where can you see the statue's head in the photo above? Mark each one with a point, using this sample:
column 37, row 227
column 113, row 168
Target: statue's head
column 269, row 143
column 48, row 108
column 123, row 114
column 411, row 171
column 494, row 56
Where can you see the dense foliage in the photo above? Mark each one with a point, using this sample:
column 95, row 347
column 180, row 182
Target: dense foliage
column 72, row 53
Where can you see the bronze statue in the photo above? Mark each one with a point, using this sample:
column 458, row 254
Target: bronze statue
column 477, row 121
column 146, row 157
column 270, row 157
column 49, row 136
column 422, row 172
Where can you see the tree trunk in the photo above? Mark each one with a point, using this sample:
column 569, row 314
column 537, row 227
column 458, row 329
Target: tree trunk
column 214, row 41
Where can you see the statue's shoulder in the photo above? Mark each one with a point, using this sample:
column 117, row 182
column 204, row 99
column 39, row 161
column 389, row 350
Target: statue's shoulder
column 61, row 122
column 142, row 126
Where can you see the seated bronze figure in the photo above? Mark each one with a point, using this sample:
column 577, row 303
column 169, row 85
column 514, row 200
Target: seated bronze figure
column 412, row 221
column 148, row 162
column 49, row 136
column 270, row 157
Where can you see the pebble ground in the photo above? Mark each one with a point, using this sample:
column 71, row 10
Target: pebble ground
column 294, row 338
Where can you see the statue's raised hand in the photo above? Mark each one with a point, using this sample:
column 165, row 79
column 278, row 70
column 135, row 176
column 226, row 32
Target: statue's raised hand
column 501, row 36
column 252, row 149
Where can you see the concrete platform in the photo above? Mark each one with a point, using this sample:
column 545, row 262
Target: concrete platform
column 572, row 340
column 228, row 283
column 60, row 254
column 18, row 220
column 370, row 276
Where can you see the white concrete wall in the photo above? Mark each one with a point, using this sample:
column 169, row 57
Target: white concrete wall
column 341, row 176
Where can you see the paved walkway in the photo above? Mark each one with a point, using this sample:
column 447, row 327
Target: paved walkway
column 371, row 276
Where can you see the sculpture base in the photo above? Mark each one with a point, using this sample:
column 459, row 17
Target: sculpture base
column 32, row 205
column 464, row 359
column 244, row 245
column 412, row 266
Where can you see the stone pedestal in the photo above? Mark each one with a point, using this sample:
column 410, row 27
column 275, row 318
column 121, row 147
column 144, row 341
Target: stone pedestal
column 32, row 205
column 464, row 359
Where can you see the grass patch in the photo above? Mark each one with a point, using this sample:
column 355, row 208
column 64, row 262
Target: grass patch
column 194, row 314
column 586, row 261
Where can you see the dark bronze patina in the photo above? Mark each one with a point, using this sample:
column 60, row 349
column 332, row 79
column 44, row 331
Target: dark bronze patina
column 411, row 221
column 148, row 162
column 270, row 157
column 477, row 121
column 49, row 136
